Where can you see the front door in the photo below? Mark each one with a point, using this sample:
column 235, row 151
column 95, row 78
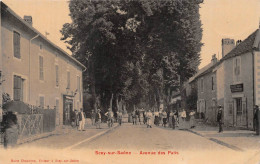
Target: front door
column 240, row 112
column 67, row 110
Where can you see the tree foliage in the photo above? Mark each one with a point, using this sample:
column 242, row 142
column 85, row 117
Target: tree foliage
column 135, row 50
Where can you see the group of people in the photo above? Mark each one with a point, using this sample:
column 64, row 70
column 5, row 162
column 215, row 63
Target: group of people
column 110, row 115
column 79, row 119
column 172, row 118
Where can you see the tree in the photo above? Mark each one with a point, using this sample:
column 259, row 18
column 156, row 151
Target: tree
column 135, row 50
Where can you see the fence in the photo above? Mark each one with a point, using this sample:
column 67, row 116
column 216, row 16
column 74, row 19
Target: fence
column 34, row 122
column 29, row 125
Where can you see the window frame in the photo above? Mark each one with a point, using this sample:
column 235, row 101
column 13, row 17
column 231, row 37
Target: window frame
column 68, row 79
column 41, row 78
column 236, row 78
column 13, row 45
column 41, row 96
column 57, row 77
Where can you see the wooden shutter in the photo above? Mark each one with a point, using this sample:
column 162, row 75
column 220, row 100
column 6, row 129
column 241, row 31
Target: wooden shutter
column 16, row 44
column 57, row 75
column 68, row 80
column 42, row 101
column 41, row 67
column 17, row 88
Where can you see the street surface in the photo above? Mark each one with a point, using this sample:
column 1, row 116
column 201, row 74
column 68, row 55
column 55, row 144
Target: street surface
column 133, row 144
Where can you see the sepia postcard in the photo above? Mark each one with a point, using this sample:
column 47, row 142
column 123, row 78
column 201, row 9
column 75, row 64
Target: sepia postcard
column 130, row 81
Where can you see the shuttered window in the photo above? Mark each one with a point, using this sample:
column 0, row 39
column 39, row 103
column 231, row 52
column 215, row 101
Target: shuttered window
column 78, row 87
column 57, row 75
column 68, row 80
column 41, row 73
column 18, row 88
column 237, row 69
column 41, row 101
column 16, row 45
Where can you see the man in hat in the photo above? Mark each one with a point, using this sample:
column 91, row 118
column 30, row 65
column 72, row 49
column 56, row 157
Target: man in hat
column 256, row 119
column 219, row 118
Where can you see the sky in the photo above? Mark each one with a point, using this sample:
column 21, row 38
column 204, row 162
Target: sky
column 234, row 19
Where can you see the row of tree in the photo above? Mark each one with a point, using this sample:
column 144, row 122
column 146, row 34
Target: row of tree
column 135, row 51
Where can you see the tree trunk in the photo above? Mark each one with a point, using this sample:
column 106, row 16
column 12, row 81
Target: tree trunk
column 111, row 101
column 92, row 83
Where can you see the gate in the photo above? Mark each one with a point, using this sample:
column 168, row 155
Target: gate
column 29, row 125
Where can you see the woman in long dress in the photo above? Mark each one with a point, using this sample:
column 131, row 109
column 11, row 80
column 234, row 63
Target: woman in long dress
column 192, row 119
column 182, row 120
column 171, row 115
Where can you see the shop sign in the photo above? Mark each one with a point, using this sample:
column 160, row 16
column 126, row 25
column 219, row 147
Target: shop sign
column 237, row 88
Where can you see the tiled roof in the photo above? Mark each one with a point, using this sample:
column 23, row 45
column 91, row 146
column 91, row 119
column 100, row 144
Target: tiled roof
column 202, row 71
column 244, row 47
column 4, row 7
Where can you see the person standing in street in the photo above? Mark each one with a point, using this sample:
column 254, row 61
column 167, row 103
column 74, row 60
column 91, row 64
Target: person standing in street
column 149, row 116
column 183, row 119
column 192, row 119
column 133, row 117
column 92, row 115
column 81, row 120
column 98, row 119
column 220, row 119
column 164, row 117
column 119, row 117
column 170, row 120
column 256, row 119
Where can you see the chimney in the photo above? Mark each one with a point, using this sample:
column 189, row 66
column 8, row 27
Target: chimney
column 28, row 19
column 227, row 46
column 238, row 42
column 214, row 59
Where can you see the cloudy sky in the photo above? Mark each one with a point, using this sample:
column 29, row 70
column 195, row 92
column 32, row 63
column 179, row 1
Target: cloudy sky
column 220, row 18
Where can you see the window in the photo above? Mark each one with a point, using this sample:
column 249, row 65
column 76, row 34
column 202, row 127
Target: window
column 41, row 101
column 57, row 75
column 41, row 47
column 212, row 83
column 57, row 112
column 68, row 80
column 237, row 69
column 78, row 87
column 239, row 106
column 18, row 88
column 202, row 85
column 41, row 73
column 16, row 45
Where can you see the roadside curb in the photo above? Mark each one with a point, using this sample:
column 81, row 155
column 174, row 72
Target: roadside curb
column 92, row 137
column 217, row 141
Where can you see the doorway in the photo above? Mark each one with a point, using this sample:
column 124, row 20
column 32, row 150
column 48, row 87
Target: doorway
column 240, row 112
column 67, row 110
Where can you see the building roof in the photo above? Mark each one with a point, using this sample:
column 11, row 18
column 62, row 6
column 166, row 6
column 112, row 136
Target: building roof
column 248, row 45
column 6, row 8
column 202, row 71
column 244, row 47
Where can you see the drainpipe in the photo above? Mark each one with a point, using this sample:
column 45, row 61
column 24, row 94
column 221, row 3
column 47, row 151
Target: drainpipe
column 253, row 67
column 30, row 65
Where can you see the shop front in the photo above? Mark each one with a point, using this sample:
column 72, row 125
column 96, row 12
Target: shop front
column 67, row 109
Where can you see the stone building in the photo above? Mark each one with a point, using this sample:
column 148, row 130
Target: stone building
column 233, row 82
column 36, row 71
column 205, row 80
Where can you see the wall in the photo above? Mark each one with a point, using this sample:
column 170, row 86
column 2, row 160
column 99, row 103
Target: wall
column 33, row 87
column 246, row 95
column 208, row 95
